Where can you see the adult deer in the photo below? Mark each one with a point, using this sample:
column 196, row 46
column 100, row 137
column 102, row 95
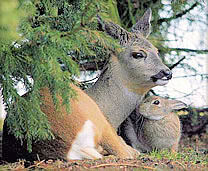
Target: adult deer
column 82, row 134
column 117, row 92
column 132, row 73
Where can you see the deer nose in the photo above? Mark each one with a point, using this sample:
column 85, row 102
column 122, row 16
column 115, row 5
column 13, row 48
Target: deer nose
column 167, row 73
column 162, row 75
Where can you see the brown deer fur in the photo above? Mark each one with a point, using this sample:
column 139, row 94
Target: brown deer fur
column 83, row 109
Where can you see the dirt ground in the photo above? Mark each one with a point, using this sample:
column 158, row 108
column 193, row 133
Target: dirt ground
column 192, row 155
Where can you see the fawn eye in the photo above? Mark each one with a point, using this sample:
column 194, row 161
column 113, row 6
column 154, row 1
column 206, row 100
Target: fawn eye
column 156, row 102
column 139, row 54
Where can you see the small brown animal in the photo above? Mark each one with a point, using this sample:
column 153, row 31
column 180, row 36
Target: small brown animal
column 85, row 130
column 160, row 127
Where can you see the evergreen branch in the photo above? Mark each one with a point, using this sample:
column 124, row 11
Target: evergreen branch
column 81, row 26
column 84, row 12
column 130, row 12
column 174, row 65
column 189, row 50
column 160, row 21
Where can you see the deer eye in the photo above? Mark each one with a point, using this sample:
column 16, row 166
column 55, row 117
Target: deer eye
column 156, row 102
column 139, row 54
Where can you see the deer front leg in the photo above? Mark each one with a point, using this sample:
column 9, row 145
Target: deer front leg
column 115, row 145
column 132, row 150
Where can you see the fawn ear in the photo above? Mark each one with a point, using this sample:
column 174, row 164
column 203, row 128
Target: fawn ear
column 143, row 25
column 176, row 104
column 115, row 31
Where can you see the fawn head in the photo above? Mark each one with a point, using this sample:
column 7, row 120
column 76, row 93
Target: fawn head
column 155, row 107
column 139, row 61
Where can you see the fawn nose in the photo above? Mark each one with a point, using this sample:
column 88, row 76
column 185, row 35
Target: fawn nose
column 167, row 73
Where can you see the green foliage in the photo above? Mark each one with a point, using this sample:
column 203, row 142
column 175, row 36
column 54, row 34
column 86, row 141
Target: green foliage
column 111, row 7
column 51, row 31
column 9, row 15
column 187, row 155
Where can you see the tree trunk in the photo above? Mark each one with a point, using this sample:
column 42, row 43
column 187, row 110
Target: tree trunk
column 13, row 149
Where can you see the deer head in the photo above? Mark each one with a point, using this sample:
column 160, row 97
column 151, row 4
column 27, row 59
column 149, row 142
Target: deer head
column 141, row 67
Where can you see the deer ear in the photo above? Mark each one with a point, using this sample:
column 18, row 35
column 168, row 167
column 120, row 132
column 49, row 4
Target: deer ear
column 143, row 25
column 115, row 31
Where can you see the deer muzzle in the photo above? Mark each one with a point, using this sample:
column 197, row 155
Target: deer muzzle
column 162, row 77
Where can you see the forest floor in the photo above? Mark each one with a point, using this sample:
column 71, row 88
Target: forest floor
column 192, row 155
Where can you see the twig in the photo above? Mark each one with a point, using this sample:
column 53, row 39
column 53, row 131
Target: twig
column 177, row 15
column 82, row 82
column 184, row 167
column 189, row 50
column 174, row 65
column 193, row 75
column 153, row 92
column 38, row 157
column 186, row 94
column 37, row 164
column 121, row 164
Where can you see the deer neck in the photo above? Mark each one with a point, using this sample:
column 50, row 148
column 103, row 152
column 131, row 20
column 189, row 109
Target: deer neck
column 112, row 96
